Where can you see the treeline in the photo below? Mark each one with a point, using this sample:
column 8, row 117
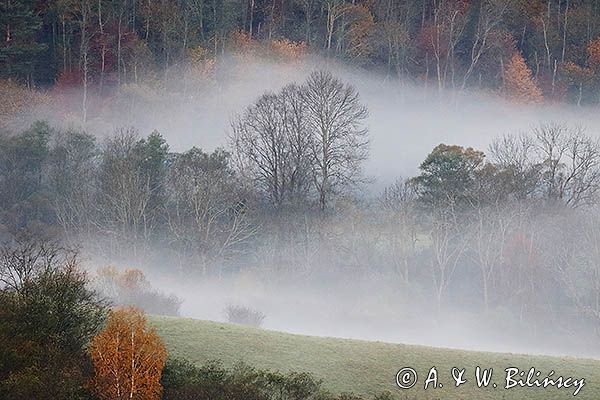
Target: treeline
column 444, row 43
column 127, row 192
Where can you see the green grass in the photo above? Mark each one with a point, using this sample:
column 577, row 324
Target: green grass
column 368, row 368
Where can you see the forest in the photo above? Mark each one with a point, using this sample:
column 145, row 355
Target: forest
column 445, row 44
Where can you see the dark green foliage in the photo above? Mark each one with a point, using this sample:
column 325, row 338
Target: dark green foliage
column 22, row 161
column 448, row 176
column 151, row 156
column 19, row 47
column 47, row 317
column 182, row 380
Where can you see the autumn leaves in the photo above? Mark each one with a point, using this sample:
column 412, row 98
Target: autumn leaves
column 128, row 358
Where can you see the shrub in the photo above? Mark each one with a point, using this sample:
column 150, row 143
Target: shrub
column 47, row 316
column 244, row 316
column 182, row 380
column 131, row 288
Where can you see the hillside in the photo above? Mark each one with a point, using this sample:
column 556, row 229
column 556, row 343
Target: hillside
column 369, row 367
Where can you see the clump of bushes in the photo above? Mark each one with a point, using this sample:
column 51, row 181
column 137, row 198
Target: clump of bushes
column 244, row 316
column 182, row 380
column 131, row 288
column 47, row 316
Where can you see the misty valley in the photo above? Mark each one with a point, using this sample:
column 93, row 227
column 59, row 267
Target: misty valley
column 299, row 200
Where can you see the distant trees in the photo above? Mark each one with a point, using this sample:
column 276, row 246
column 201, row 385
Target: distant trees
column 555, row 162
column 130, row 287
column 207, row 210
column 400, row 227
column 130, row 190
column 470, row 227
column 271, row 142
column 452, row 44
column 128, row 358
column 559, row 162
column 132, row 184
column 303, row 139
column 338, row 142
column 477, row 210
column 23, row 162
column 578, row 267
column 449, row 176
column 518, row 81
column 71, row 178
column 20, row 47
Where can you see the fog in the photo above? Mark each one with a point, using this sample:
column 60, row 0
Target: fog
column 376, row 311
column 406, row 121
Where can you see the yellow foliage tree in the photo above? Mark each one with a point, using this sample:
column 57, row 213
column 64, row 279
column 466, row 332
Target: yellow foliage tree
column 593, row 50
column 128, row 358
column 519, row 83
column 286, row 50
column 17, row 100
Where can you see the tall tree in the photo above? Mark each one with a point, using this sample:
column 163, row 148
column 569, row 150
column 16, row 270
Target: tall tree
column 19, row 46
column 339, row 141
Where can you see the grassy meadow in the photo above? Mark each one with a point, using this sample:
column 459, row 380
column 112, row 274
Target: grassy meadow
column 369, row 368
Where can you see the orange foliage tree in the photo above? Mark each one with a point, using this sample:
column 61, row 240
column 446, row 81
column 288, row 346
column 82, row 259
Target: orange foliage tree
column 593, row 50
column 519, row 83
column 577, row 76
column 128, row 358
column 287, row 51
column 15, row 101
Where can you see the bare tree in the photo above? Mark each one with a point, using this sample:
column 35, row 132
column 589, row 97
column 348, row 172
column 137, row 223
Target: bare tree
column 72, row 177
column 400, row 227
column 448, row 244
column 336, row 11
column 491, row 227
column 578, row 266
column 571, row 163
column 309, row 8
column 513, row 155
column 559, row 162
column 303, row 136
column 491, row 13
column 339, row 142
column 270, row 143
column 448, row 25
column 206, row 212
column 131, row 186
column 26, row 256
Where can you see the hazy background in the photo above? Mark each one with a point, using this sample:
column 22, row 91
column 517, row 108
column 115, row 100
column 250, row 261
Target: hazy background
column 406, row 121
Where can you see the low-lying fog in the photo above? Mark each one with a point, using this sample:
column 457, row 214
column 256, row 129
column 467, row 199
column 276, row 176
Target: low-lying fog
column 375, row 310
column 405, row 123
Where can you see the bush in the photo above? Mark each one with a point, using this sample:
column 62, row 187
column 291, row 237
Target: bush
column 244, row 316
column 47, row 317
column 182, row 380
column 131, row 288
